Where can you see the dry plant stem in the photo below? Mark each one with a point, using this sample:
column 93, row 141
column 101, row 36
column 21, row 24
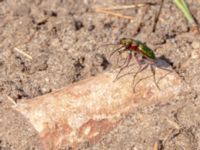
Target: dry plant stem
column 121, row 7
column 157, row 16
column 89, row 109
column 109, row 10
column 126, row 6
column 114, row 14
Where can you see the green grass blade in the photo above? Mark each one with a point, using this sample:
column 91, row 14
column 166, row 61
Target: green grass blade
column 185, row 10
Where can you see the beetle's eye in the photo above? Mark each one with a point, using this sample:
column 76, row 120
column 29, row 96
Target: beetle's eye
column 121, row 41
column 128, row 43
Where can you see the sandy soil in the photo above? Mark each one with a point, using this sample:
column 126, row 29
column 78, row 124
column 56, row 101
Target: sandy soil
column 63, row 39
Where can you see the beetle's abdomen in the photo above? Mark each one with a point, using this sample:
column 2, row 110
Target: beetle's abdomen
column 147, row 51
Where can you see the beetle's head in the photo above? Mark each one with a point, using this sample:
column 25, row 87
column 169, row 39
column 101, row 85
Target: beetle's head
column 126, row 42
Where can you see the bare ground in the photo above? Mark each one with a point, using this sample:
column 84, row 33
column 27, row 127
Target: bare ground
column 63, row 39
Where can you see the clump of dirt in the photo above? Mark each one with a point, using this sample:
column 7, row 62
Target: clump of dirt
column 63, row 41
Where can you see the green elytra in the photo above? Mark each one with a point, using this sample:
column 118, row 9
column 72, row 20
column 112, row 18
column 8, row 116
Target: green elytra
column 146, row 50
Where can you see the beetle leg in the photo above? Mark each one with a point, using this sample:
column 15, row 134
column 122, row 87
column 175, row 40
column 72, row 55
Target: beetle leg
column 138, row 61
column 138, row 71
column 169, row 71
column 150, row 61
column 124, row 62
column 127, row 61
column 128, row 58
column 154, row 76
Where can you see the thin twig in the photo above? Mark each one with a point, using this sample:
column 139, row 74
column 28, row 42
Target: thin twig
column 23, row 53
column 11, row 100
column 157, row 16
column 140, row 24
column 173, row 123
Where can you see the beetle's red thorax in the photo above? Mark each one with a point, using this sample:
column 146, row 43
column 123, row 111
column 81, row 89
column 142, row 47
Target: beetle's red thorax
column 133, row 47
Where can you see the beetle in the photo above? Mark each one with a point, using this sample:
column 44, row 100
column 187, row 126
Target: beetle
column 141, row 52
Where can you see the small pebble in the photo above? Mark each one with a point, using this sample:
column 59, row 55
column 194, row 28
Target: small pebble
column 196, row 44
column 46, row 90
column 55, row 42
column 91, row 27
column 195, row 54
column 78, row 25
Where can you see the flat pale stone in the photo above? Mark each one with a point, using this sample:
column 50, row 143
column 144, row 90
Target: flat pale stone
column 89, row 109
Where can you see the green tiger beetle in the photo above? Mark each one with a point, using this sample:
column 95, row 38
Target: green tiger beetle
column 141, row 52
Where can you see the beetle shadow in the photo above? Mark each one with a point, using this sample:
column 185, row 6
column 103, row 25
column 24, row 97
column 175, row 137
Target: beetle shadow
column 163, row 62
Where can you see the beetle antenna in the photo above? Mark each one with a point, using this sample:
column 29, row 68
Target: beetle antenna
column 116, row 50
